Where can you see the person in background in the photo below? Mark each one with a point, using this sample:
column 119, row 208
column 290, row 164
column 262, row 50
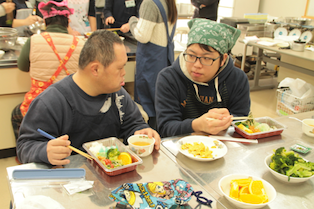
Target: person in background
column 205, row 9
column 24, row 9
column 85, row 106
column 9, row 19
column 100, row 5
column 6, row 7
column 83, row 19
column 202, row 83
column 118, row 12
column 48, row 57
column 154, row 31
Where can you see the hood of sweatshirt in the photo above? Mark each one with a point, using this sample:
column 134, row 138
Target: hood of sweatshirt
column 220, row 76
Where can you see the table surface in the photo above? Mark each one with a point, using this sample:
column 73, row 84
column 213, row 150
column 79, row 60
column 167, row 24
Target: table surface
column 168, row 163
column 306, row 54
column 249, row 159
column 156, row 167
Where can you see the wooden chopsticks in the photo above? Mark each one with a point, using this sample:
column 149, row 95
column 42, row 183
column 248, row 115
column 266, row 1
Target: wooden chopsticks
column 81, row 153
column 112, row 29
column 45, row 134
column 241, row 118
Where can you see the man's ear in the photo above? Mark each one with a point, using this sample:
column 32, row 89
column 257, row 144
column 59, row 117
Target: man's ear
column 224, row 58
column 94, row 68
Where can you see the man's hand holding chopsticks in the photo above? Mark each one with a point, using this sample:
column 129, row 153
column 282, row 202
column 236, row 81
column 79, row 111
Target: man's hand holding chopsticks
column 57, row 150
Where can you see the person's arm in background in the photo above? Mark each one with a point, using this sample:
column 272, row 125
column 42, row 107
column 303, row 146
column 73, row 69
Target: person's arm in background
column 142, row 28
column 23, row 62
column 92, row 15
column 73, row 32
column 126, row 27
column 108, row 10
column 206, row 3
column 195, row 3
column 6, row 7
column 31, row 19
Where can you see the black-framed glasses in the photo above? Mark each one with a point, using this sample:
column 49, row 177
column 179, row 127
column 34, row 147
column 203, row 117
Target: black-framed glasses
column 204, row 60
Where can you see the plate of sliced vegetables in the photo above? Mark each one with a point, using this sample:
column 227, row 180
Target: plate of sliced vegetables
column 258, row 127
column 202, row 148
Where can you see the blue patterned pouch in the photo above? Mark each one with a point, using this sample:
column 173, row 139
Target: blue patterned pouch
column 159, row 195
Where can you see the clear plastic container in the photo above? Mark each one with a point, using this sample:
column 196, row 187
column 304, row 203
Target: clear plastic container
column 112, row 141
column 288, row 104
column 271, row 122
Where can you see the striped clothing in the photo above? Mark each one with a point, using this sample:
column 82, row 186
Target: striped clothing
column 150, row 26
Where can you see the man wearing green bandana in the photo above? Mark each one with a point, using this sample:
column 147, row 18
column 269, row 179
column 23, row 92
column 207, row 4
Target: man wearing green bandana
column 202, row 83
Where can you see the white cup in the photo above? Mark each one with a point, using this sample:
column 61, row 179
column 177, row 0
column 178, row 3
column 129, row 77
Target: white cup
column 141, row 150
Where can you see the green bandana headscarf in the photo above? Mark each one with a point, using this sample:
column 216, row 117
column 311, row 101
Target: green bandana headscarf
column 220, row 36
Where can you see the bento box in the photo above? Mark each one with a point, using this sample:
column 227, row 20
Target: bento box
column 271, row 122
column 109, row 142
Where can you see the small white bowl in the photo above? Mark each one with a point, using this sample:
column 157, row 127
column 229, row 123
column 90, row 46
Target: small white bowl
column 282, row 177
column 141, row 151
column 1, row 53
column 224, row 186
column 308, row 127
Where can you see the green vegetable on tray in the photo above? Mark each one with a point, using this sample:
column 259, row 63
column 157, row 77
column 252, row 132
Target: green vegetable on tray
column 290, row 164
column 252, row 126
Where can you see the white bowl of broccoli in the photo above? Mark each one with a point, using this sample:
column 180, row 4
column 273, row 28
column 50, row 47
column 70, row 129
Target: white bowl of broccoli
column 288, row 166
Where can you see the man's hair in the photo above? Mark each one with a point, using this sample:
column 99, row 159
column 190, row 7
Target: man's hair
column 211, row 49
column 99, row 46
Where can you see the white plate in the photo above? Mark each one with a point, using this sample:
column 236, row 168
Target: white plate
column 218, row 152
column 306, row 36
column 295, row 32
column 280, row 32
column 267, row 43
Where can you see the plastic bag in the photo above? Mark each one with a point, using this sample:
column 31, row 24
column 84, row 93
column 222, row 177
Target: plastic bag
column 153, row 194
column 298, row 87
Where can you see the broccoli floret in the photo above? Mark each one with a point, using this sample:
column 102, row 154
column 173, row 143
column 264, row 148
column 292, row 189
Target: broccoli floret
column 277, row 159
column 280, row 151
column 300, row 170
column 311, row 165
column 112, row 153
column 290, row 164
column 291, row 157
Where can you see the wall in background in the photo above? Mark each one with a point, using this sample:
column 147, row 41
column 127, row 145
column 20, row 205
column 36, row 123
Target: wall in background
column 283, row 8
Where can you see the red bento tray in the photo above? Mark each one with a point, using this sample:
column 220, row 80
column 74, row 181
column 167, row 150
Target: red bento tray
column 112, row 141
column 271, row 122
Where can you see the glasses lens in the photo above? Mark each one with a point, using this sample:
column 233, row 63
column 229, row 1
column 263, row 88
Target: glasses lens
column 206, row 61
column 189, row 58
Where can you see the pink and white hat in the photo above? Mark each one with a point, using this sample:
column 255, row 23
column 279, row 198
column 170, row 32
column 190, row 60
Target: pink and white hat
column 53, row 12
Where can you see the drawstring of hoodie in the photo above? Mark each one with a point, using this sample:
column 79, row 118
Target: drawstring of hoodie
column 216, row 88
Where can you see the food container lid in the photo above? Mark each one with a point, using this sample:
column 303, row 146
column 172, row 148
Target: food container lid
column 62, row 173
column 6, row 32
